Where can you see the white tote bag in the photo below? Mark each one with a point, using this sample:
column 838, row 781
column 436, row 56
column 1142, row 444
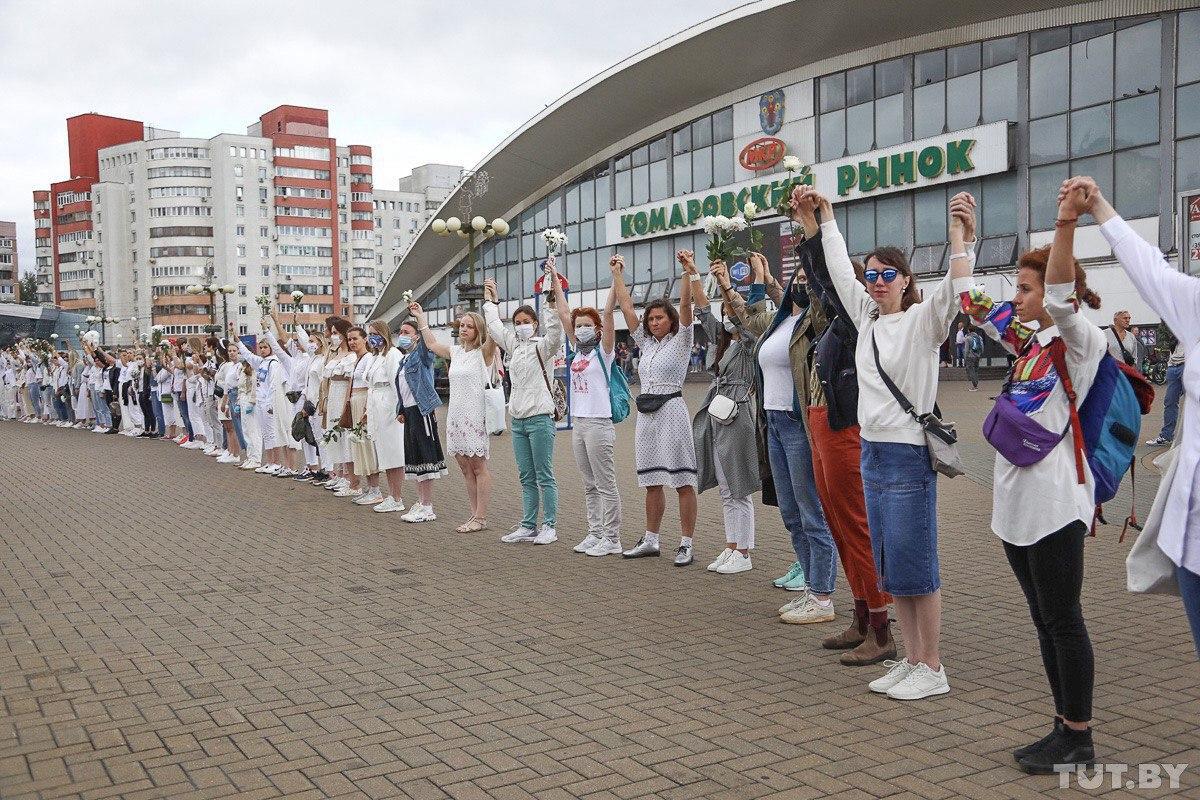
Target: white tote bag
column 493, row 402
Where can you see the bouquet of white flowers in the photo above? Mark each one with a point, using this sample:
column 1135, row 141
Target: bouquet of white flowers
column 720, row 230
column 91, row 337
column 156, row 334
column 556, row 241
column 264, row 302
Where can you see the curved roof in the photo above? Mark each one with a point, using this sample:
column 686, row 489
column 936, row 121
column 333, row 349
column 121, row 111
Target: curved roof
column 723, row 54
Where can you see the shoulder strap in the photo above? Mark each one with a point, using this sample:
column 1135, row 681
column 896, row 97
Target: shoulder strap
column 892, row 387
column 1058, row 355
column 542, row 364
column 1124, row 352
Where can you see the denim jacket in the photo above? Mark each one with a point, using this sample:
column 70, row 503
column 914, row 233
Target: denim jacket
column 418, row 371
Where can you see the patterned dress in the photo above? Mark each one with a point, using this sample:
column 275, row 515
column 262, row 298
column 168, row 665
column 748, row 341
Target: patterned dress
column 466, row 417
column 664, row 449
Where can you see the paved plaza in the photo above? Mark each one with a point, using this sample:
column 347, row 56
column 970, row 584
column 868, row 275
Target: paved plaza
column 172, row 627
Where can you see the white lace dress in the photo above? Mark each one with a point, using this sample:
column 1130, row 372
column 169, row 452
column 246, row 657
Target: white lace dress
column 466, row 428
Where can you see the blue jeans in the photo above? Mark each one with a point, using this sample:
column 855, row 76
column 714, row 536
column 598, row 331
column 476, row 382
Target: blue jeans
column 237, row 419
column 533, row 448
column 1171, row 402
column 796, row 491
column 35, row 399
column 900, row 488
column 156, row 404
column 60, row 409
column 103, row 414
column 1189, row 590
column 187, row 421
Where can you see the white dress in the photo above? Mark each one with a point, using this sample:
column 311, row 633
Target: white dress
column 336, row 398
column 466, row 422
column 382, row 427
column 83, row 398
column 664, row 445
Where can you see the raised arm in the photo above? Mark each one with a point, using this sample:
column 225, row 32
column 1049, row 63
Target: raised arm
column 855, row 299
column 940, row 308
column 617, row 265
column 278, row 349
column 563, row 309
column 431, row 342
column 691, row 283
column 1174, row 295
column 253, row 359
column 608, row 337
column 552, row 329
column 491, row 317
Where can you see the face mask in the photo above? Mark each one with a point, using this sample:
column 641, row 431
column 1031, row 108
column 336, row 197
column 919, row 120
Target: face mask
column 524, row 331
column 335, row 340
column 404, row 342
column 375, row 340
column 585, row 334
column 730, row 326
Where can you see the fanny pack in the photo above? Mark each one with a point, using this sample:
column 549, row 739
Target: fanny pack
column 940, row 437
column 1021, row 440
column 649, row 403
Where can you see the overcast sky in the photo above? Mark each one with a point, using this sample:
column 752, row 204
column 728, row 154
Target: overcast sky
column 418, row 81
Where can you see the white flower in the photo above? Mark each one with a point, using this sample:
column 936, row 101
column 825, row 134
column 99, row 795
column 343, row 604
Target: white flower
column 92, row 337
column 749, row 210
column 737, row 224
column 407, row 297
column 297, row 296
column 709, row 224
column 791, row 163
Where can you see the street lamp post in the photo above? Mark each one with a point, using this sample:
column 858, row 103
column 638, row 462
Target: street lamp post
column 467, row 228
column 210, row 288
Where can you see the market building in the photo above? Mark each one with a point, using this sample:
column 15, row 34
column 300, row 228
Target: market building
column 889, row 110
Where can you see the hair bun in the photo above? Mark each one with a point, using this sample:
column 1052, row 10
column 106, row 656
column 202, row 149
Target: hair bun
column 1090, row 299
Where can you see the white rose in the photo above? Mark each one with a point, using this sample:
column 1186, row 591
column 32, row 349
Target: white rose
column 709, row 224
column 791, row 163
column 737, row 224
column 749, row 210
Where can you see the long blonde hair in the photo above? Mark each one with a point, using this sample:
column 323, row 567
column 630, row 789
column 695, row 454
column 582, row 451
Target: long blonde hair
column 481, row 331
column 381, row 329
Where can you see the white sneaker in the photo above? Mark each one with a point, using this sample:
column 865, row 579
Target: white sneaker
column 193, row 445
column 719, row 560
column 250, row 464
column 99, row 429
column 897, row 671
column 420, row 513
column 178, row 439
column 735, row 563
column 792, row 605
column 228, row 458
column 809, row 612
column 546, row 535
column 210, row 450
column 348, row 492
column 267, row 469
column 590, row 541
column 389, row 504
column 920, row 683
column 369, row 499
column 520, row 534
column 605, row 548
column 219, row 454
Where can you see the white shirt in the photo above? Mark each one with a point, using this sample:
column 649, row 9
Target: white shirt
column 909, row 345
column 1114, row 345
column 360, row 372
column 530, row 397
column 1030, row 503
column 1175, row 297
column 960, row 337
column 779, row 389
column 589, row 384
column 407, row 398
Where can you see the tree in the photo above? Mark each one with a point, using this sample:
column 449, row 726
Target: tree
column 28, row 289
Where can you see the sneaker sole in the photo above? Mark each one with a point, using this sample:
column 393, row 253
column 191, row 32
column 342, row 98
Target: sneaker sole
column 797, row 589
column 812, row 621
column 934, row 693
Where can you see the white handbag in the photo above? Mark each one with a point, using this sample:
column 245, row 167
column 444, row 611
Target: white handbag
column 493, row 402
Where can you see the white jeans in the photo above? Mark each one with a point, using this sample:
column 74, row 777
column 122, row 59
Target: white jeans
column 592, row 440
column 738, row 511
column 252, row 435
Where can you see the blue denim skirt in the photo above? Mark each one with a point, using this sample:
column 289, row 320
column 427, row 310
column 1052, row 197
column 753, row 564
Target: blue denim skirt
column 901, row 494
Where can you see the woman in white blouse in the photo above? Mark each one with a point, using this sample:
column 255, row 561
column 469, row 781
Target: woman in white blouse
column 384, row 426
column 362, row 449
column 335, row 406
column 1175, row 297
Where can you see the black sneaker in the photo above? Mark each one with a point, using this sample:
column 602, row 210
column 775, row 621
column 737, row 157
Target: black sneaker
column 303, row 477
column 1066, row 747
column 1029, row 749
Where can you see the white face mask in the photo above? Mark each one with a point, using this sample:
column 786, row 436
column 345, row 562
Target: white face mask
column 336, row 340
column 585, row 334
column 524, row 331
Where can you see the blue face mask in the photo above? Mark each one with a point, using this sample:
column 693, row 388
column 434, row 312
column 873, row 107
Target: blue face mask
column 375, row 340
column 404, row 342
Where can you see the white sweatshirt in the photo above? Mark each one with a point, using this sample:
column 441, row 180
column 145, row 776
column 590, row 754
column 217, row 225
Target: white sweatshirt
column 908, row 342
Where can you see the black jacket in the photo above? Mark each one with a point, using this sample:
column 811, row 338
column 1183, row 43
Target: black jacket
column 835, row 349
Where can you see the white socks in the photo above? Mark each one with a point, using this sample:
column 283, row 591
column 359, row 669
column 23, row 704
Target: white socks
column 651, row 539
column 685, row 541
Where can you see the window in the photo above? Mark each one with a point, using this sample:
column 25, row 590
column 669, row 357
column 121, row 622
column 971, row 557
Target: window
column 178, row 172
column 240, row 230
column 180, row 191
column 180, row 230
column 1187, row 115
column 241, row 251
column 1094, row 108
column 239, row 193
column 237, row 170
column 264, row 251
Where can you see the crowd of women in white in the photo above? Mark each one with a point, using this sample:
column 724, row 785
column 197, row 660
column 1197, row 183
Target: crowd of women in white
column 817, row 402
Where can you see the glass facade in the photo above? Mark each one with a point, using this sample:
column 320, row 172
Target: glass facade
column 1082, row 99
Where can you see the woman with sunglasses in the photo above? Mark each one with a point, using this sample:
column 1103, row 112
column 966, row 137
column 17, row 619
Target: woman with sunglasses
column 900, row 335
column 832, row 400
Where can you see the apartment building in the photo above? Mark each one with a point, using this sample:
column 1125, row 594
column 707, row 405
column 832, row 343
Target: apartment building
column 10, row 272
column 283, row 207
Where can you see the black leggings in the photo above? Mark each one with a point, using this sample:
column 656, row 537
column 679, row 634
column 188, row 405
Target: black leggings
column 1050, row 572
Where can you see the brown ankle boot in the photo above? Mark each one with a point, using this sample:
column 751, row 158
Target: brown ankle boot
column 852, row 636
column 879, row 646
